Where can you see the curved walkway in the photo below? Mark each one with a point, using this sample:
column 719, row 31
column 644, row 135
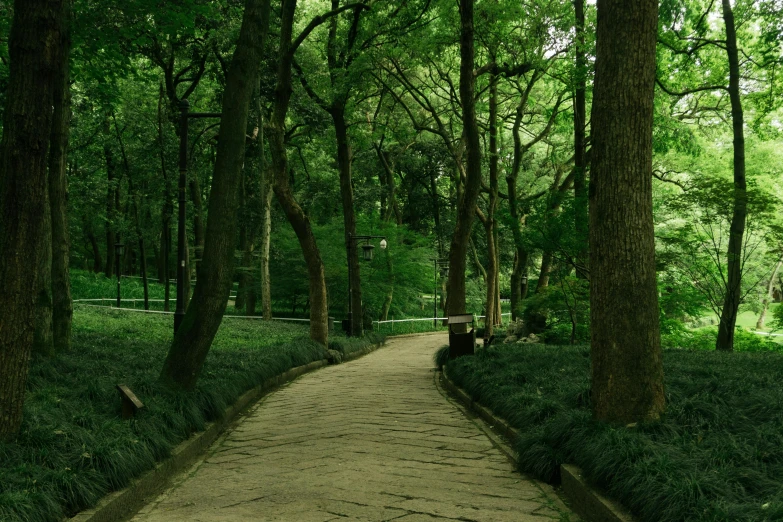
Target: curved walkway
column 373, row 439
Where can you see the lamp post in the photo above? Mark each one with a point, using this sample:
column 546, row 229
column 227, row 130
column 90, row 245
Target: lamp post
column 439, row 263
column 367, row 249
column 182, row 245
column 118, row 251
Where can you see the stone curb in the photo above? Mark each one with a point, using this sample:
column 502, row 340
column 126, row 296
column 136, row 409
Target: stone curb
column 585, row 500
column 122, row 504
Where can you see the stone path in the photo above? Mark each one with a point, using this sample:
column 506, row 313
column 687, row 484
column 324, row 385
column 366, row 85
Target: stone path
column 373, row 439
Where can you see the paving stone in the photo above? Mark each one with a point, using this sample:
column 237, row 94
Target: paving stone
column 371, row 440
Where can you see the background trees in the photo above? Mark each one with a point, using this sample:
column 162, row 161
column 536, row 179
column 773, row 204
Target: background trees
column 418, row 121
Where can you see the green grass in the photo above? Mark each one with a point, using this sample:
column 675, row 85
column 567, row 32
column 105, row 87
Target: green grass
column 717, row 456
column 74, row 447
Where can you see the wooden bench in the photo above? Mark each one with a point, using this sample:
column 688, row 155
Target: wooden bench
column 130, row 403
column 461, row 343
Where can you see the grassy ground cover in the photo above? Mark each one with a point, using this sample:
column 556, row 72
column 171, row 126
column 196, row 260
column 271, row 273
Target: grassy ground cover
column 717, row 456
column 74, row 447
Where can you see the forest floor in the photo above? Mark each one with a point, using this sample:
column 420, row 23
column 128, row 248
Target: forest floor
column 373, row 439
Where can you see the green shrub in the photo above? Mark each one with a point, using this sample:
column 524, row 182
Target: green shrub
column 717, row 455
column 74, row 447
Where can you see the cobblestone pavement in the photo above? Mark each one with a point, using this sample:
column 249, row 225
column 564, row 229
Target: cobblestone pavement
column 372, row 439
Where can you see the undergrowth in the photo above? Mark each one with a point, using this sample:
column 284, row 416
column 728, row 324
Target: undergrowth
column 717, row 455
column 74, row 447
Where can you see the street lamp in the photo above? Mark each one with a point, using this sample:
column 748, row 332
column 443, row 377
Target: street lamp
column 367, row 249
column 118, row 251
column 184, row 119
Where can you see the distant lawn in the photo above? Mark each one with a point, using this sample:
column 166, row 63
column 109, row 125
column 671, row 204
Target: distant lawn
column 74, row 447
column 718, row 455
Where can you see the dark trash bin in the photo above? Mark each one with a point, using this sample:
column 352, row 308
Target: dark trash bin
column 461, row 343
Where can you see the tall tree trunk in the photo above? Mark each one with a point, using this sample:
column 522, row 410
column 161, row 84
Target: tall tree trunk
column 62, row 303
column 765, row 304
column 34, row 50
column 198, row 220
column 466, row 204
column 627, row 370
column 111, row 198
column 580, row 163
column 43, row 340
column 266, row 184
column 202, row 319
column 319, row 310
column 167, row 212
column 134, row 204
column 244, row 247
column 349, row 215
column 521, row 254
column 491, row 305
column 728, row 316
column 97, row 260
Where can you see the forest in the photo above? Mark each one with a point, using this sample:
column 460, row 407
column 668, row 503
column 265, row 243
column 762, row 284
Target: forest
column 462, row 134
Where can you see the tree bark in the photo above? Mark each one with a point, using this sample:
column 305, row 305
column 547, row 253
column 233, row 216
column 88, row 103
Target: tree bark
column 580, row 121
column 43, row 340
column 319, row 311
column 202, row 319
column 266, row 221
column 34, row 50
column 166, row 212
column 627, row 370
column 337, row 112
column 62, row 303
column 468, row 196
column 491, row 306
column 770, row 286
column 728, row 316
column 111, row 200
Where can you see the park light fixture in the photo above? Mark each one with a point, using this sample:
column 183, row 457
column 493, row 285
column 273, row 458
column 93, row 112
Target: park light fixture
column 367, row 251
column 383, row 244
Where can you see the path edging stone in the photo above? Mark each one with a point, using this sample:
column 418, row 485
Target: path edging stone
column 121, row 504
column 586, row 501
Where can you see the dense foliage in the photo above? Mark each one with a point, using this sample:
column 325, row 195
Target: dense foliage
column 716, row 455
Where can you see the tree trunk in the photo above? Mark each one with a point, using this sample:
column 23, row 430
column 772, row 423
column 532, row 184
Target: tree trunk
column 266, row 221
column 244, row 247
column 770, row 286
column 97, row 260
column 627, row 371
column 62, row 303
column 43, row 340
column 728, row 316
column 580, row 163
column 349, row 216
column 319, row 311
column 198, row 220
column 134, row 203
column 466, row 204
column 202, row 319
column 491, row 305
column 34, row 50
column 167, row 212
column 111, row 207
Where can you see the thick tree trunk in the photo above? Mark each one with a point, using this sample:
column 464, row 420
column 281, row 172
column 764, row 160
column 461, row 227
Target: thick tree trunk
column 728, row 316
column 580, row 163
column 202, row 319
column 62, row 303
column 319, row 310
column 466, row 204
column 768, row 295
column 34, row 50
column 627, row 370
